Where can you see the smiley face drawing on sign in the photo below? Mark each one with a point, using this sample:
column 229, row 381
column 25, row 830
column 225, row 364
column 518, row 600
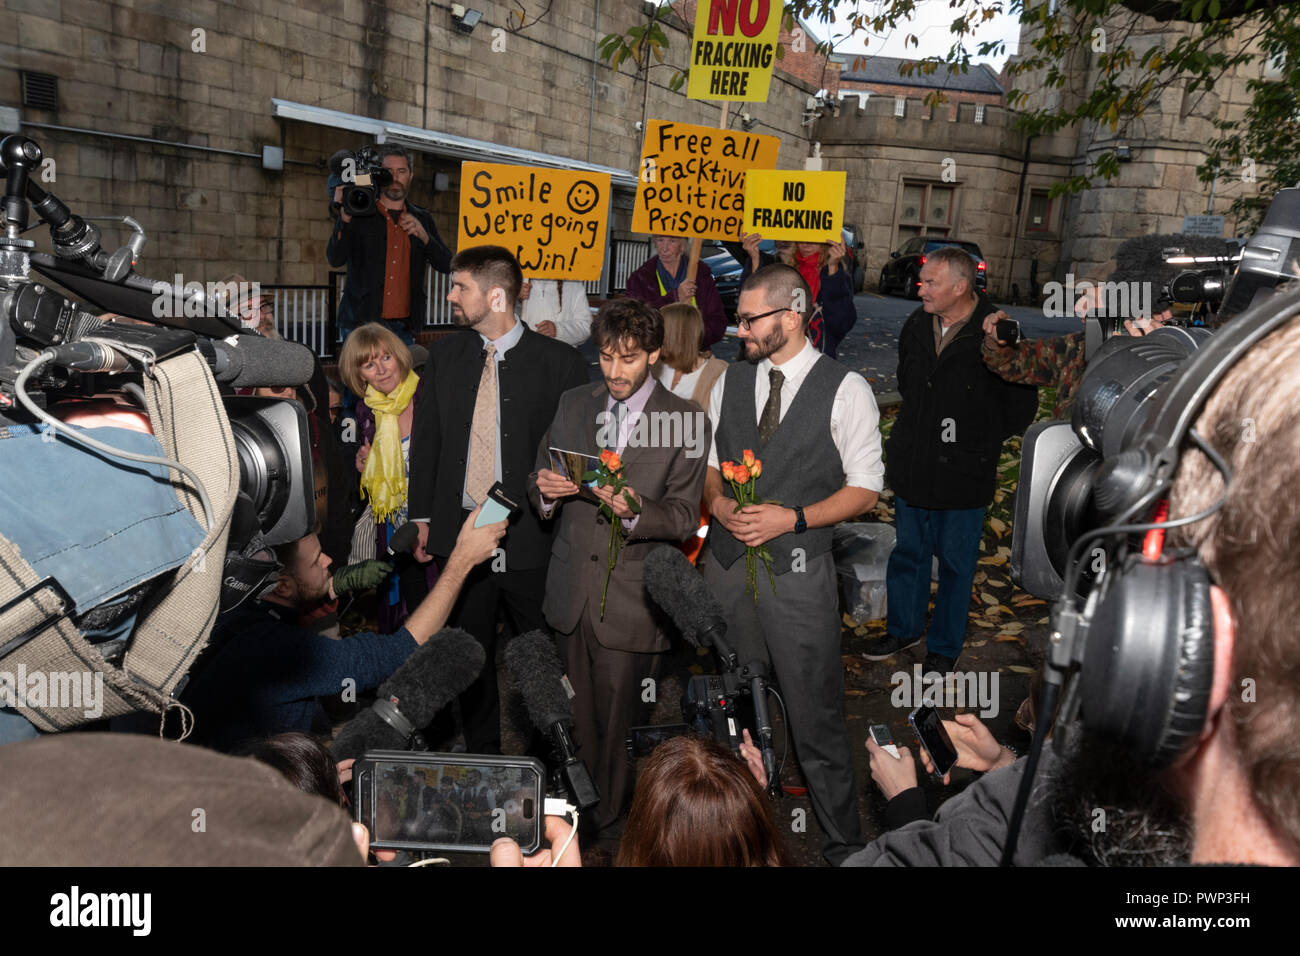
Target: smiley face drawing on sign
column 582, row 197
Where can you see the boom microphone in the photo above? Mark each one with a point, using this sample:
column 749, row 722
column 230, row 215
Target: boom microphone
column 427, row 681
column 679, row 590
column 251, row 361
column 532, row 659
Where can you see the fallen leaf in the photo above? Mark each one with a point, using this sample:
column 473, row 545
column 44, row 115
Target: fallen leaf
column 1026, row 600
column 1012, row 627
column 988, row 598
column 1005, row 638
column 980, row 577
column 1044, row 620
column 854, row 692
column 976, row 643
column 980, row 622
column 998, row 526
column 1016, row 668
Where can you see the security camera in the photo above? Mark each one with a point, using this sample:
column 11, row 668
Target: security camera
column 639, row 126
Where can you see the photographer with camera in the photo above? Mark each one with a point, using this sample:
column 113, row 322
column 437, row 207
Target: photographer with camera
column 263, row 673
column 384, row 240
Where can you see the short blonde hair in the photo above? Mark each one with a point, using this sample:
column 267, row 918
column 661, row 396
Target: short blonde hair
column 362, row 345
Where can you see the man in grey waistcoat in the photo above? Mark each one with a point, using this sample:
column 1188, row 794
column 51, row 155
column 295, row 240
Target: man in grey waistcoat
column 815, row 427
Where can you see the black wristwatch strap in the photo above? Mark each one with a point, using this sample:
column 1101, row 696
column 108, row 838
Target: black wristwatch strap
column 800, row 525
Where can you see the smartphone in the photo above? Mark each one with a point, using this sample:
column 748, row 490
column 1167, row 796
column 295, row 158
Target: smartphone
column 1008, row 331
column 929, row 731
column 498, row 506
column 884, row 740
column 449, row 802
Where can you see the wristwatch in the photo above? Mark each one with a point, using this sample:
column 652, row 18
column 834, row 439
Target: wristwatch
column 800, row 525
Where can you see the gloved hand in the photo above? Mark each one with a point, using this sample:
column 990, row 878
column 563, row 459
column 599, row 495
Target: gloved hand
column 360, row 576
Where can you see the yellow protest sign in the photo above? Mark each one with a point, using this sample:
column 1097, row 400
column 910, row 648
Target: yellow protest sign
column 692, row 179
column 553, row 220
column 795, row 205
column 733, row 49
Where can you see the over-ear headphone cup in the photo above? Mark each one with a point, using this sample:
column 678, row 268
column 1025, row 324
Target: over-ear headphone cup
column 1149, row 660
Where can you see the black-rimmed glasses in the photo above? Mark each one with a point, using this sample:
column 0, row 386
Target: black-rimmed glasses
column 745, row 321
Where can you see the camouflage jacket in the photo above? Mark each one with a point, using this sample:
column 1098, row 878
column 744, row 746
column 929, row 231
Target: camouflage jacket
column 1056, row 361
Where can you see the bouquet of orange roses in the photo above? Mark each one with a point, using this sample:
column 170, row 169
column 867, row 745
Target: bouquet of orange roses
column 742, row 478
column 609, row 474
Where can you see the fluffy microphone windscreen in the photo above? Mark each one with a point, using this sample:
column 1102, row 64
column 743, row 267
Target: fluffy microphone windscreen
column 677, row 587
column 424, row 684
column 538, row 671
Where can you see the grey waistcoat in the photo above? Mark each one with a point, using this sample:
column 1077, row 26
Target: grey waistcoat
column 801, row 464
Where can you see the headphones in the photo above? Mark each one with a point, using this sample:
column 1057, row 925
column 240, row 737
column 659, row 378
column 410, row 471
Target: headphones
column 1145, row 637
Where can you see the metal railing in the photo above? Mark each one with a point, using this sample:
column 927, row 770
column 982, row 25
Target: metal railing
column 308, row 314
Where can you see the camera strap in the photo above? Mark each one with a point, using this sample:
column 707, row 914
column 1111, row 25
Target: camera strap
column 189, row 422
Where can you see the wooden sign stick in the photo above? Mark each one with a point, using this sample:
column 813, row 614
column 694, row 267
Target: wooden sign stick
column 693, row 259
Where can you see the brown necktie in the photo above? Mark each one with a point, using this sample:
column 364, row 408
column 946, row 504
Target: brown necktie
column 771, row 417
column 481, row 471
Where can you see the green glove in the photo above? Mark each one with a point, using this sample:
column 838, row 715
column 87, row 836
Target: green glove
column 361, row 576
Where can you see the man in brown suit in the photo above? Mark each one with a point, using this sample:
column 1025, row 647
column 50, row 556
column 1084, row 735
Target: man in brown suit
column 663, row 442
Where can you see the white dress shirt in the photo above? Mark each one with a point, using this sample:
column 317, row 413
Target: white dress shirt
column 570, row 311
column 855, row 419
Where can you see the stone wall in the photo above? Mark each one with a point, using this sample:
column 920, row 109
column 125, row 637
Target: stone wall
column 143, row 71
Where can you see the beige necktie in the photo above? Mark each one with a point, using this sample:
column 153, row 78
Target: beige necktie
column 481, row 471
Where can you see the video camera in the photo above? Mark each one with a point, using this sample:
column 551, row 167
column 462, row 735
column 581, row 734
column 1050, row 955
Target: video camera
column 1056, row 502
column 65, row 372
column 364, row 178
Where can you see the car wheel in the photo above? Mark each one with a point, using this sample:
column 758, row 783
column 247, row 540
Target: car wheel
column 913, row 286
column 882, row 287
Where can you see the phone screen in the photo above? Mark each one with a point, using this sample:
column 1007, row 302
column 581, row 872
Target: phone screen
column 463, row 806
column 929, row 729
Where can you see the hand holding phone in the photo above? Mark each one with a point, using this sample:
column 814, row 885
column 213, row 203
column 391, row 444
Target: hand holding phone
column 930, row 732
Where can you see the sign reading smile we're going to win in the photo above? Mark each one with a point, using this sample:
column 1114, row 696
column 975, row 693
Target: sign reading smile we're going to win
column 553, row 220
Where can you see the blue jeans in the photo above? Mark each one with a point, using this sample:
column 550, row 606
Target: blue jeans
column 953, row 535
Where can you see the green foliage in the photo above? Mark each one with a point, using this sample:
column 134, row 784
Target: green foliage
column 1059, row 41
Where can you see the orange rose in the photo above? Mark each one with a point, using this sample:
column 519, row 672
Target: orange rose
column 747, row 457
column 728, row 470
column 740, row 475
column 614, row 463
column 605, row 455
column 756, row 469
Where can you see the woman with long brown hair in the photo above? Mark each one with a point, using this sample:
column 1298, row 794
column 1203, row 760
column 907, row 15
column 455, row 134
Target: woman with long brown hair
column 686, row 368
column 696, row 804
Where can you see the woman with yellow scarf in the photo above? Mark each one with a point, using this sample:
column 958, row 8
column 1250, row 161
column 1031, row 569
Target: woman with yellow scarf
column 376, row 365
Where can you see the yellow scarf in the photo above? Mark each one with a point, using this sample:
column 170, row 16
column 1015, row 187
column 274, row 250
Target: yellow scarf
column 384, row 479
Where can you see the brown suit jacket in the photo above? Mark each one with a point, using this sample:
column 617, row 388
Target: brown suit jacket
column 669, row 483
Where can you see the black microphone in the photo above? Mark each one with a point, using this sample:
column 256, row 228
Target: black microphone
column 251, row 361
column 679, row 590
column 532, row 659
column 404, row 538
column 434, row 675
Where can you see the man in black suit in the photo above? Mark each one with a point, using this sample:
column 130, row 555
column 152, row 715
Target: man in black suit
column 477, row 423
column 386, row 254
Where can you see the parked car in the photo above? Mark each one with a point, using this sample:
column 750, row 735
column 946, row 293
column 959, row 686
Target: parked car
column 901, row 275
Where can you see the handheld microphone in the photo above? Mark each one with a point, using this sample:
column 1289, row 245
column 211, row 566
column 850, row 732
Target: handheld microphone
column 532, row 659
column 434, row 675
column 404, row 538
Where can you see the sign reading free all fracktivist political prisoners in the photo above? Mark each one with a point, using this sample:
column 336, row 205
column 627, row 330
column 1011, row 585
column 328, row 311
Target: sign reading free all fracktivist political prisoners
column 733, row 49
column 553, row 220
column 795, row 205
column 692, row 179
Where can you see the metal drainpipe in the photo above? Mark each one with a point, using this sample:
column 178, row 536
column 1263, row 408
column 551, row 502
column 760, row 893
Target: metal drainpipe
column 591, row 109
